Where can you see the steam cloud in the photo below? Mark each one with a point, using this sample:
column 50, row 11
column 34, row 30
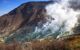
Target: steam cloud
column 65, row 18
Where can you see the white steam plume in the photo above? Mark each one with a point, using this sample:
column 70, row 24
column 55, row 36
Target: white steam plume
column 65, row 19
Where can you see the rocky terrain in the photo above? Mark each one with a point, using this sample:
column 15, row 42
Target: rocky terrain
column 22, row 20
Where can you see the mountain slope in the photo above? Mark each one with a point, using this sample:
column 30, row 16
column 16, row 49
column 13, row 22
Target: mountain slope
column 23, row 19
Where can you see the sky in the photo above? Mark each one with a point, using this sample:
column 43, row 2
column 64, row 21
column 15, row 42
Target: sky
column 8, row 5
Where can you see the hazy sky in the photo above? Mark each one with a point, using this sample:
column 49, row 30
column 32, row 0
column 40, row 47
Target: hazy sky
column 8, row 5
